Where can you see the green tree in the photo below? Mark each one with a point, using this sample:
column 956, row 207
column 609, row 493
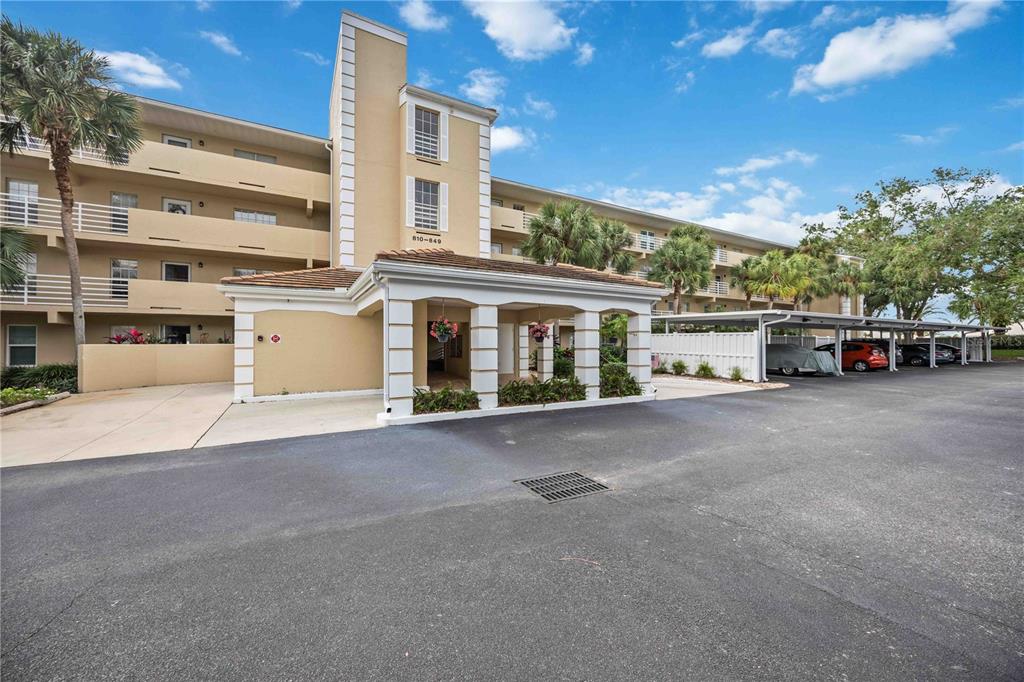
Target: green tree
column 616, row 239
column 564, row 232
column 777, row 277
column 682, row 263
column 615, row 326
column 55, row 89
column 742, row 277
column 14, row 250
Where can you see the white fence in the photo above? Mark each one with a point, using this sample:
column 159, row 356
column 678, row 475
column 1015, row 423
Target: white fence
column 722, row 351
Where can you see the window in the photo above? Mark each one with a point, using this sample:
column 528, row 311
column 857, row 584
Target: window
column 519, row 207
column 428, row 204
column 497, row 202
column 246, row 215
column 495, row 247
column 428, row 133
column 255, row 156
column 177, row 333
column 120, row 202
column 21, row 345
column 180, row 206
column 122, row 270
column 245, row 272
column 22, row 206
column 177, row 272
column 646, row 240
column 517, row 251
column 176, row 141
column 121, row 329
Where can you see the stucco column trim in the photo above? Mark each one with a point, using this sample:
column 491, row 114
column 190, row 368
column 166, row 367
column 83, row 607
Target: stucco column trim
column 244, row 356
column 398, row 342
column 483, row 354
column 546, row 355
column 638, row 350
column 346, row 188
column 588, row 352
column 524, row 351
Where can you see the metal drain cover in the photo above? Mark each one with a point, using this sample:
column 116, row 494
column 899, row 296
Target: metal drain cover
column 563, row 486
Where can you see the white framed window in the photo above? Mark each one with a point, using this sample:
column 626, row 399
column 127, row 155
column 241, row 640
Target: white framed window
column 517, row 251
column 177, row 141
column 179, row 206
column 246, row 215
column 518, row 207
column 255, row 156
column 426, row 204
column 245, row 272
column 121, row 329
column 122, row 270
column 176, row 272
column 21, row 345
column 646, row 240
column 496, row 247
column 21, row 207
column 426, row 132
column 176, row 333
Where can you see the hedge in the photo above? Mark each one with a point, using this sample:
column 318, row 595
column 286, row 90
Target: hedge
column 59, row 377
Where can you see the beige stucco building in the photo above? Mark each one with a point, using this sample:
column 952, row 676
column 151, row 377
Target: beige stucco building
column 397, row 207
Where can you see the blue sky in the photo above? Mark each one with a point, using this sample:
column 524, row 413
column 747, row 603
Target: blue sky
column 753, row 117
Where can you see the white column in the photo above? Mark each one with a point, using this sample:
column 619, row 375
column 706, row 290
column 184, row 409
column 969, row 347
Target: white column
column 546, row 357
column 963, row 348
column 244, row 356
column 524, row 351
column 988, row 346
column 398, row 340
column 839, row 350
column 588, row 352
column 892, row 350
column 638, row 350
column 483, row 354
column 931, row 350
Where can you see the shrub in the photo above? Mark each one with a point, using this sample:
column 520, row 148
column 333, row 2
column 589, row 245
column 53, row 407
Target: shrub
column 564, row 368
column 679, row 367
column 533, row 392
column 1006, row 341
column 660, row 369
column 58, row 377
column 705, row 370
column 13, row 396
column 612, row 354
column 736, row 374
column 617, row 382
column 448, row 399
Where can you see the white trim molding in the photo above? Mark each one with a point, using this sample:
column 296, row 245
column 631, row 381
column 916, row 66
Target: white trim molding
column 485, row 191
column 346, row 142
column 371, row 26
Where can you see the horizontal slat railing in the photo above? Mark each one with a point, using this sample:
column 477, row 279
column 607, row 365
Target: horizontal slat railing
column 427, row 145
column 24, row 211
column 56, row 290
column 37, row 144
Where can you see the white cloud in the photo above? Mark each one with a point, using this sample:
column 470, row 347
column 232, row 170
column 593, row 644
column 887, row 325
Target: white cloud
column 222, row 42
column 691, row 37
column 755, row 164
column 509, row 138
column 780, row 42
column 204, row 5
column 314, row 57
column 678, row 205
column 425, row 79
column 686, row 82
column 889, row 46
column 1015, row 147
column 420, row 15
column 484, row 86
column 526, row 31
column 292, row 5
column 584, row 54
column 831, row 15
column 139, row 70
column 765, row 6
column 539, row 107
column 935, row 137
column 1010, row 103
column 730, row 44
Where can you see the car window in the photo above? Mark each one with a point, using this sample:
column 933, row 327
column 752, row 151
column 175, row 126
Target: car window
column 851, row 346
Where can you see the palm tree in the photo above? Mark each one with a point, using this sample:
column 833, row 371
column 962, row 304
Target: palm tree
column 682, row 262
column 615, row 240
column 846, row 279
column 564, row 232
column 775, row 277
column 14, row 250
column 741, row 277
column 55, row 89
column 810, row 277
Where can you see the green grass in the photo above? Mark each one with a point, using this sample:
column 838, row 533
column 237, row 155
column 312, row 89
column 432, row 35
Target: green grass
column 1007, row 353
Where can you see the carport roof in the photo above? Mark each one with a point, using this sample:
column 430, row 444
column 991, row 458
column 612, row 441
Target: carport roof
column 799, row 319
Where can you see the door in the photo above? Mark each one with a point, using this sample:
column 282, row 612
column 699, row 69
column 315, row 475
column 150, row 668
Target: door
column 506, row 347
column 177, row 333
column 120, row 202
column 22, row 206
column 180, row 206
column 122, row 270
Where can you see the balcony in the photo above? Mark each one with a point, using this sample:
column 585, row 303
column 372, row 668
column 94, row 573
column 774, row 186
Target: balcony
column 119, row 295
column 510, row 219
column 510, row 257
column 140, row 226
column 196, row 165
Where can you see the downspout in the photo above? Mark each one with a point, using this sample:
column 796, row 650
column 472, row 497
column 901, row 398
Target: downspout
column 380, row 282
column 761, row 351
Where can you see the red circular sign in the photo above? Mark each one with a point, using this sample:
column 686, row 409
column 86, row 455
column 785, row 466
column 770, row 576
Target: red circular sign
column 275, row 339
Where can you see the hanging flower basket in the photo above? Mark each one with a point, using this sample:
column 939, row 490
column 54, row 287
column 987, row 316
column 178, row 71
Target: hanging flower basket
column 443, row 329
column 539, row 331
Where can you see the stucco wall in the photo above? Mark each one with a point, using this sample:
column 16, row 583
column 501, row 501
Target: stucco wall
column 103, row 367
column 318, row 351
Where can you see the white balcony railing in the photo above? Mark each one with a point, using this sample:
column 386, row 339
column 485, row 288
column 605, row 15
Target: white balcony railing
column 527, row 217
column 56, row 290
column 715, row 289
column 37, row 144
column 720, row 255
column 426, row 145
column 23, row 211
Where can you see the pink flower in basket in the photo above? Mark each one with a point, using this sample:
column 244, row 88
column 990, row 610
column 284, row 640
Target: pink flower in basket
column 443, row 329
column 539, row 331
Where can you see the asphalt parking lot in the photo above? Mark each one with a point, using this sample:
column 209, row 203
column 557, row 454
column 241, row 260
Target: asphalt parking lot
column 865, row 527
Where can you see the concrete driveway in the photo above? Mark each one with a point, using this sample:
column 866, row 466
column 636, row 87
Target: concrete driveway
column 867, row 529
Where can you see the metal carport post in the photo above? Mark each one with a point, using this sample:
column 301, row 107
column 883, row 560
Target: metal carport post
column 963, row 348
column 838, row 352
column 892, row 349
column 931, row 350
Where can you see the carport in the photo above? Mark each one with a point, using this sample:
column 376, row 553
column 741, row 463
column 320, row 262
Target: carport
column 763, row 321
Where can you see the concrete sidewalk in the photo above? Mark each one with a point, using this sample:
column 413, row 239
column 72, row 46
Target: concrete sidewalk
column 672, row 387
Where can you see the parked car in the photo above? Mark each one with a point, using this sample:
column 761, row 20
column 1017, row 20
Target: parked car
column 952, row 349
column 883, row 345
column 916, row 354
column 860, row 356
column 791, row 359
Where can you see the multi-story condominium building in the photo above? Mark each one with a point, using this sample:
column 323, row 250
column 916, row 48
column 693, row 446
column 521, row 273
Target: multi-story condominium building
column 399, row 201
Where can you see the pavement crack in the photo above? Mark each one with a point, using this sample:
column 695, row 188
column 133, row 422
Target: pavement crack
column 53, row 618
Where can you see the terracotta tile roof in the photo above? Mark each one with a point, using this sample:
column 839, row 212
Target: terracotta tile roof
column 317, row 278
column 448, row 258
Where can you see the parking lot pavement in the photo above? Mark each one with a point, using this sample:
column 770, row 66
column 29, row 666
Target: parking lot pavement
column 866, row 528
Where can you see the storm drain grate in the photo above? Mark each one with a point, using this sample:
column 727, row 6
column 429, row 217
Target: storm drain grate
column 563, row 486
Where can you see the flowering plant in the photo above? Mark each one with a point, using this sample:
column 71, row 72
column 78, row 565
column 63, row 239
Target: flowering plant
column 539, row 331
column 134, row 336
column 443, row 329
